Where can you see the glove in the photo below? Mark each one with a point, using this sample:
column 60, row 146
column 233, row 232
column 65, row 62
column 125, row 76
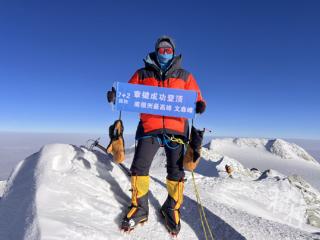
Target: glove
column 196, row 142
column 193, row 153
column 116, row 146
column 111, row 95
column 200, row 107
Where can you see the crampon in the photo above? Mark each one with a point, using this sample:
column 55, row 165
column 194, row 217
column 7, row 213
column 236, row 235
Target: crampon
column 127, row 226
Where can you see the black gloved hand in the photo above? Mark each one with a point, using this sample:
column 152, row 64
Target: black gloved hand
column 200, row 107
column 111, row 95
column 196, row 142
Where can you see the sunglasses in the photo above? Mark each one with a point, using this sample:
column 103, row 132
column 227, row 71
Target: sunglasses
column 165, row 50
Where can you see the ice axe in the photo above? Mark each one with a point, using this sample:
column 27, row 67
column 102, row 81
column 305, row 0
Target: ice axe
column 95, row 143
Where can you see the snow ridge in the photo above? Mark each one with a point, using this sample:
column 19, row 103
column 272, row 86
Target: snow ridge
column 278, row 147
column 288, row 150
column 61, row 192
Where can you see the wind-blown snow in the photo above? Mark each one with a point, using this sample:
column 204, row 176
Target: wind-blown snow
column 68, row 192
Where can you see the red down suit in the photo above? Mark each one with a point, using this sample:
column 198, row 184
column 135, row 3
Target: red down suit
column 174, row 77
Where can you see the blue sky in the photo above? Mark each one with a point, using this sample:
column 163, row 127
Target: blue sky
column 257, row 62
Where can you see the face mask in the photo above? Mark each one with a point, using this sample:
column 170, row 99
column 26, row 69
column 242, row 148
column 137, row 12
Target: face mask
column 164, row 58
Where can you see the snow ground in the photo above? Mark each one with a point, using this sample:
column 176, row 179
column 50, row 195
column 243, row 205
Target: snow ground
column 68, row 192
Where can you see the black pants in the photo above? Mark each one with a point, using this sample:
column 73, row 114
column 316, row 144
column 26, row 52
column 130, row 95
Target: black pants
column 145, row 152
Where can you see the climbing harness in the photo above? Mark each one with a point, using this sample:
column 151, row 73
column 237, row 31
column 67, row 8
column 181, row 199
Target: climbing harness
column 165, row 140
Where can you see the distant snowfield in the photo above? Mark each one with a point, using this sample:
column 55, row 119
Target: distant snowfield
column 253, row 154
column 68, row 192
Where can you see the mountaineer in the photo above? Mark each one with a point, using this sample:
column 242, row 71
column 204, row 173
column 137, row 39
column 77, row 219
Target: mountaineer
column 162, row 69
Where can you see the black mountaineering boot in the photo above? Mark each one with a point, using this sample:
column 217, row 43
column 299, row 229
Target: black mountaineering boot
column 139, row 209
column 170, row 209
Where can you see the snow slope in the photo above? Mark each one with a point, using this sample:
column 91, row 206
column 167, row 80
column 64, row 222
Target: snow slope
column 68, row 192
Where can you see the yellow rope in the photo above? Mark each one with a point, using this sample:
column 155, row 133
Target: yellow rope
column 201, row 211
column 199, row 207
column 177, row 140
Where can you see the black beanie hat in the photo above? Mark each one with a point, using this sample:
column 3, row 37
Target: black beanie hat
column 165, row 41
